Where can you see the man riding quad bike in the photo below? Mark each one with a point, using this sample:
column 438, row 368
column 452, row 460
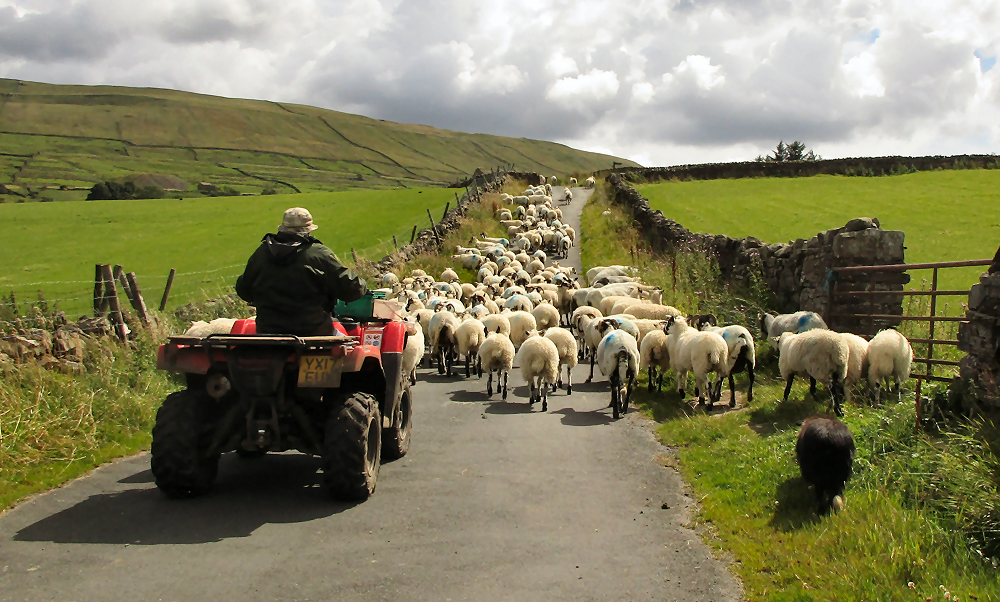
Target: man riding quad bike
column 293, row 378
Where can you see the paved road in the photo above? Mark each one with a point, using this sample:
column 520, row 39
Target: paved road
column 495, row 501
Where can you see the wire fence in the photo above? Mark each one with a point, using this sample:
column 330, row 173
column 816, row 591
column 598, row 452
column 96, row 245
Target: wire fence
column 76, row 297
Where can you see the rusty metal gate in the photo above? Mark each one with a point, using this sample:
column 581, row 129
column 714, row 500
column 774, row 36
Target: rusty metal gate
column 869, row 304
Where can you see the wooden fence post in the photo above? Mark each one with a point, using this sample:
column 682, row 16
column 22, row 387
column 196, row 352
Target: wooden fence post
column 446, row 207
column 437, row 237
column 166, row 289
column 100, row 307
column 355, row 256
column 137, row 302
column 111, row 294
column 413, row 235
column 395, row 245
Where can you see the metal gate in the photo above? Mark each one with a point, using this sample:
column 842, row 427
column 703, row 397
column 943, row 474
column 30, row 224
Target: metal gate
column 870, row 322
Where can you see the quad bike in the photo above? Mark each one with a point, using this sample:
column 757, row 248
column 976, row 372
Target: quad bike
column 341, row 397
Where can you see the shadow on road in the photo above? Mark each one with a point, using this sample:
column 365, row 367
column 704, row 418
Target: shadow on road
column 515, row 406
column 592, row 418
column 280, row 488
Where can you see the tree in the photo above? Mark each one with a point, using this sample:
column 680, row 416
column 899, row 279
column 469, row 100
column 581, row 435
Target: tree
column 795, row 151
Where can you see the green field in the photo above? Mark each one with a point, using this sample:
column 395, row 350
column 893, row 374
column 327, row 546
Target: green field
column 53, row 247
column 73, row 136
column 947, row 215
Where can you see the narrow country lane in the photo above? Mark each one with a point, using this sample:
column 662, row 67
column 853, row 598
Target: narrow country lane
column 495, row 501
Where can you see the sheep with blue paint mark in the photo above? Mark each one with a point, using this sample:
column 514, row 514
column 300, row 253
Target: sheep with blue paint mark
column 772, row 325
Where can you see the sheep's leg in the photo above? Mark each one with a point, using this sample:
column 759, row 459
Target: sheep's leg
column 732, row 392
column 615, row 393
column 569, row 380
column 591, row 377
column 504, row 375
column 545, row 396
column 489, row 384
column 413, row 376
column 439, row 352
column 531, row 391
column 559, row 382
column 628, row 390
column 701, row 387
column 788, row 387
column 479, row 366
column 812, row 387
column 468, row 365
column 837, row 388
column 681, row 381
column 651, row 371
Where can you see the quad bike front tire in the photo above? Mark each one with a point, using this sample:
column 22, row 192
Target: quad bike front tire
column 181, row 438
column 352, row 447
column 397, row 437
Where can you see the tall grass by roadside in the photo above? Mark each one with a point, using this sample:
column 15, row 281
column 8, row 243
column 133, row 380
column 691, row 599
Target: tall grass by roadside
column 922, row 507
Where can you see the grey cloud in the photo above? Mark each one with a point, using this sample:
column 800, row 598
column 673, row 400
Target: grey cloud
column 74, row 35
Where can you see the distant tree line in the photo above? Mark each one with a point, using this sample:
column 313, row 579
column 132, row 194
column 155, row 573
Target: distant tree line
column 123, row 191
column 793, row 151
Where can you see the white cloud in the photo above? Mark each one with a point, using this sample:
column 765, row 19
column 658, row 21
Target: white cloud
column 705, row 74
column 584, row 91
column 862, row 75
column 560, row 65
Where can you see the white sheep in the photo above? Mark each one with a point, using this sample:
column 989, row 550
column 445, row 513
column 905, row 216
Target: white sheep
column 538, row 358
column 652, row 311
column 522, row 324
column 443, row 328
column 771, row 326
column 889, row 355
column 572, row 181
column 618, row 357
column 496, row 354
column 494, row 321
column 821, row 354
column 857, row 362
column 413, row 351
column 654, row 356
column 546, row 316
column 590, row 182
column 449, row 275
column 470, row 336
column 694, row 351
column 566, row 345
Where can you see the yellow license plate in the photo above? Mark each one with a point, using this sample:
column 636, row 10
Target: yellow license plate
column 320, row 371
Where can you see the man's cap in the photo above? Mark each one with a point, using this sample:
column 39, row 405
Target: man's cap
column 297, row 220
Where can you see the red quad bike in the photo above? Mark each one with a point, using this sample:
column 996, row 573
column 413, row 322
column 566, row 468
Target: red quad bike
column 342, row 397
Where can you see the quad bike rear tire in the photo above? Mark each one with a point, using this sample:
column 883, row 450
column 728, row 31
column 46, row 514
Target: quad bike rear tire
column 397, row 437
column 352, row 447
column 181, row 438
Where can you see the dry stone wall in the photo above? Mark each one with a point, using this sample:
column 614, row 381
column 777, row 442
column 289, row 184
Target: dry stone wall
column 976, row 387
column 798, row 273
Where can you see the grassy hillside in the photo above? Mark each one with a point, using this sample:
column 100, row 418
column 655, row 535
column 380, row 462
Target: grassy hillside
column 947, row 215
column 72, row 136
column 52, row 247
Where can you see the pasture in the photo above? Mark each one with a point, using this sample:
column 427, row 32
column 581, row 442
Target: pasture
column 947, row 215
column 53, row 247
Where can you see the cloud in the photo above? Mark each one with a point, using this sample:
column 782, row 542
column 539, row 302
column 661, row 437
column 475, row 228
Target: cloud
column 670, row 81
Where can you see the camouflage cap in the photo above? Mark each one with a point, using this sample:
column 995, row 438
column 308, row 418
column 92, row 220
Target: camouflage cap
column 297, row 220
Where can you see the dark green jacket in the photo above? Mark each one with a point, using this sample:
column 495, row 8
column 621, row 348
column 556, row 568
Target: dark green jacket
column 295, row 281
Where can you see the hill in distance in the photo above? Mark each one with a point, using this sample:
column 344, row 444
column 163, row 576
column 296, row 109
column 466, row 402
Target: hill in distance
column 57, row 138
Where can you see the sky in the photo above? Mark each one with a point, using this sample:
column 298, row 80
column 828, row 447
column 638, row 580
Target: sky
column 665, row 82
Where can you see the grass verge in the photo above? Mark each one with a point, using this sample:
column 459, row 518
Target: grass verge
column 921, row 507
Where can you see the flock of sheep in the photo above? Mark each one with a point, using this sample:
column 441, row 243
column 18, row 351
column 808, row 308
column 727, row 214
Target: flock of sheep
column 526, row 310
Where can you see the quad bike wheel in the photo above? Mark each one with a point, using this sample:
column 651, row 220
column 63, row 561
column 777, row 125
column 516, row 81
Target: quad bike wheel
column 352, row 447
column 397, row 437
column 181, row 439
